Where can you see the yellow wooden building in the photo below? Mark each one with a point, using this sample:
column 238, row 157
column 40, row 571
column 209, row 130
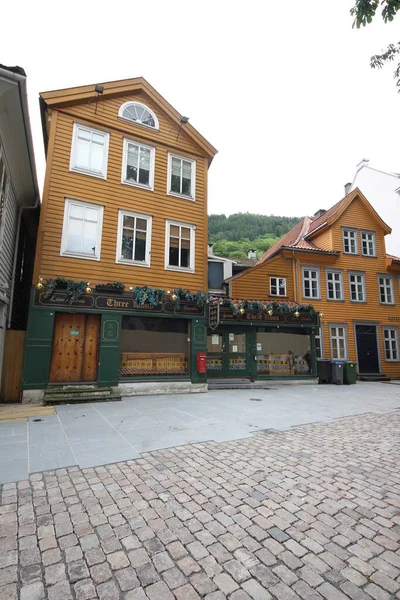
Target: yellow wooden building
column 122, row 242
column 336, row 261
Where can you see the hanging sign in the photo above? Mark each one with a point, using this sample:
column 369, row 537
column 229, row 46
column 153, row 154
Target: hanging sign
column 213, row 314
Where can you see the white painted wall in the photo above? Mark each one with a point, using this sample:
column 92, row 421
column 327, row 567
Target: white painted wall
column 379, row 189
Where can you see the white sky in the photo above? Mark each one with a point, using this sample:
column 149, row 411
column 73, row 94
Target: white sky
column 284, row 90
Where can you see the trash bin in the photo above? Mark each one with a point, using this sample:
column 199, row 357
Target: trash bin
column 337, row 368
column 324, row 370
column 350, row 374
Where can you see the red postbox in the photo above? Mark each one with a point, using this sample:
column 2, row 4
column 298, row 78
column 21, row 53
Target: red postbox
column 201, row 362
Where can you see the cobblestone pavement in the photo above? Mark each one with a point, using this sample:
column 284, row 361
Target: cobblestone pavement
column 310, row 513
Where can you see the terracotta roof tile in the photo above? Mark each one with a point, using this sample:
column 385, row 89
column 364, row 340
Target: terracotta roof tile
column 395, row 259
column 326, row 215
column 287, row 240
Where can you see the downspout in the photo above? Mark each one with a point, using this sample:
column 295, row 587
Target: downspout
column 295, row 277
column 21, row 80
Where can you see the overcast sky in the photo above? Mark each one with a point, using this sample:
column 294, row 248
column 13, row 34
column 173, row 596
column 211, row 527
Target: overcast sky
column 283, row 90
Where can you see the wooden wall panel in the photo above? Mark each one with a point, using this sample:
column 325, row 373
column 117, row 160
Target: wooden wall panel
column 14, row 343
column 254, row 283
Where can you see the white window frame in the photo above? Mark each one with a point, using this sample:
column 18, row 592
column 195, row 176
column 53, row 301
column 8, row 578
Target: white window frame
column 317, row 270
column 334, row 272
column 358, row 274
column 125, row 163
column 191, row 267
column 64, row 239
column 73, row 167
column 366, row 232
column 319, row 335
column 346, row 230
column 384, row 287
column 337, row 337
column 277, row 285
column 126, row 104
column 192, row 197
column 127, row 261
column 396, row 339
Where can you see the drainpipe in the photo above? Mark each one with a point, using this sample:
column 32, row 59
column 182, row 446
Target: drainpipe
column 295, row 277
column 21, row 80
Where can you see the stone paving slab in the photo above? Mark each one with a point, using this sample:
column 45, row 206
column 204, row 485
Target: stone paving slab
column 310, row 513
column 95, row 434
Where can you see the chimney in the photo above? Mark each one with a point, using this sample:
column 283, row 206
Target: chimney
column 210, row 251
column 363, row 163
column 347, row 188
column 320, row 212
column 251, row 253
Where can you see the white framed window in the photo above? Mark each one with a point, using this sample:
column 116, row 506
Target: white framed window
column 386, row 294
column 368, row 245
column 181, row 176
column 277, row 286
column 319, row 343
column 179, row 246
column 350, row 245
column 338, row 338
column 81, row 235
column 138, row 113
column 391, row 343
column 311, row 287
column 89, row 152
column 134, row 239
column 357, row 287
column 334, row 285
column 138, row 165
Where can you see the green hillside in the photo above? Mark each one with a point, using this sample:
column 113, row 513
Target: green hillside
column 233, row 236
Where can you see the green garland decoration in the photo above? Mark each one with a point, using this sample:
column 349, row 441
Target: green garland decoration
column 74, row 289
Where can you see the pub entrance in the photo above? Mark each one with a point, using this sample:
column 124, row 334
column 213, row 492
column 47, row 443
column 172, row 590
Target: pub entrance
column 229, row 353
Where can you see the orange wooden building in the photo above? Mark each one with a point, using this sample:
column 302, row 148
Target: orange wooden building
column 337, row 262
column 122, row 243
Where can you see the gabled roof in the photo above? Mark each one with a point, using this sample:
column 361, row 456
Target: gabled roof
column 332, row 214
column 124, row 87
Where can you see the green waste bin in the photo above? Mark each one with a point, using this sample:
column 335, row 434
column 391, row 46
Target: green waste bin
column 350, row 372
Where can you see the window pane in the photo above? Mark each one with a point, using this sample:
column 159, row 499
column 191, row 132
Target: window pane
column 185, row 253
column 129, row 221
column 91, row 214
column 144, row 166
column 174, row 230
column 132, row 163
column 174, row 251
column 74, row 235
column 140, row 246
column 141, row 224
column 127, row 244
column 175, row 183
column 96, row 158
column 89, row 238
column 83, row 134
column 98, row 138
column 176, row 166
column 186, row 187
column 185, row 233
column 77, row 212
column 82, row 154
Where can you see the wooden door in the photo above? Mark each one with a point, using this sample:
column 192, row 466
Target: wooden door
column 75, row 348
column 367, row 349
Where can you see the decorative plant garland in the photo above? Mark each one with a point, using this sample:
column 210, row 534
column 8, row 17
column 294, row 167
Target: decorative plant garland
column 74, row 289
column 156, row 296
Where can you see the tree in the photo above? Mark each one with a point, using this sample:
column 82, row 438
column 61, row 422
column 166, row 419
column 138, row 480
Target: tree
column 363, row 12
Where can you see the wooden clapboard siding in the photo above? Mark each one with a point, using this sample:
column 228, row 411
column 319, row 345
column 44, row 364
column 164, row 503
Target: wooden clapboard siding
column 60, row 184
column 254, row 283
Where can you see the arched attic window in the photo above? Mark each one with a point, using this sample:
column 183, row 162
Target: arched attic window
column 138, row 113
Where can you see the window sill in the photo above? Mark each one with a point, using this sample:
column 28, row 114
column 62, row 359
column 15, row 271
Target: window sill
column 179, row 269
column 387, row 303
column 369, row 256
column 392, row 360
column 141, row 186
column 277, row 296
column 358, row 301
column 132, row 263
column 88, row 173
column 182, row 196
column 351, row 254
column 81, row 256
column 335, row 300
column 312, row 298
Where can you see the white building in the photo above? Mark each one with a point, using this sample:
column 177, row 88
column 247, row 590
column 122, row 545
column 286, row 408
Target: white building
column 383, row 191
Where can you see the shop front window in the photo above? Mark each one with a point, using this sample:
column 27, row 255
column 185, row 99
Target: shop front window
column 154, row 347
column 283, row 353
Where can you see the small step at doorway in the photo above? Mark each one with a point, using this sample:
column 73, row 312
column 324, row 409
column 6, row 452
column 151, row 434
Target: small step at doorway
column 373, row 377
column 77, row 394
column 238, row 384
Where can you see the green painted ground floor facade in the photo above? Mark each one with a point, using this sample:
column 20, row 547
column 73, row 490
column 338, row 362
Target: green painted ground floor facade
column 107, row 339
